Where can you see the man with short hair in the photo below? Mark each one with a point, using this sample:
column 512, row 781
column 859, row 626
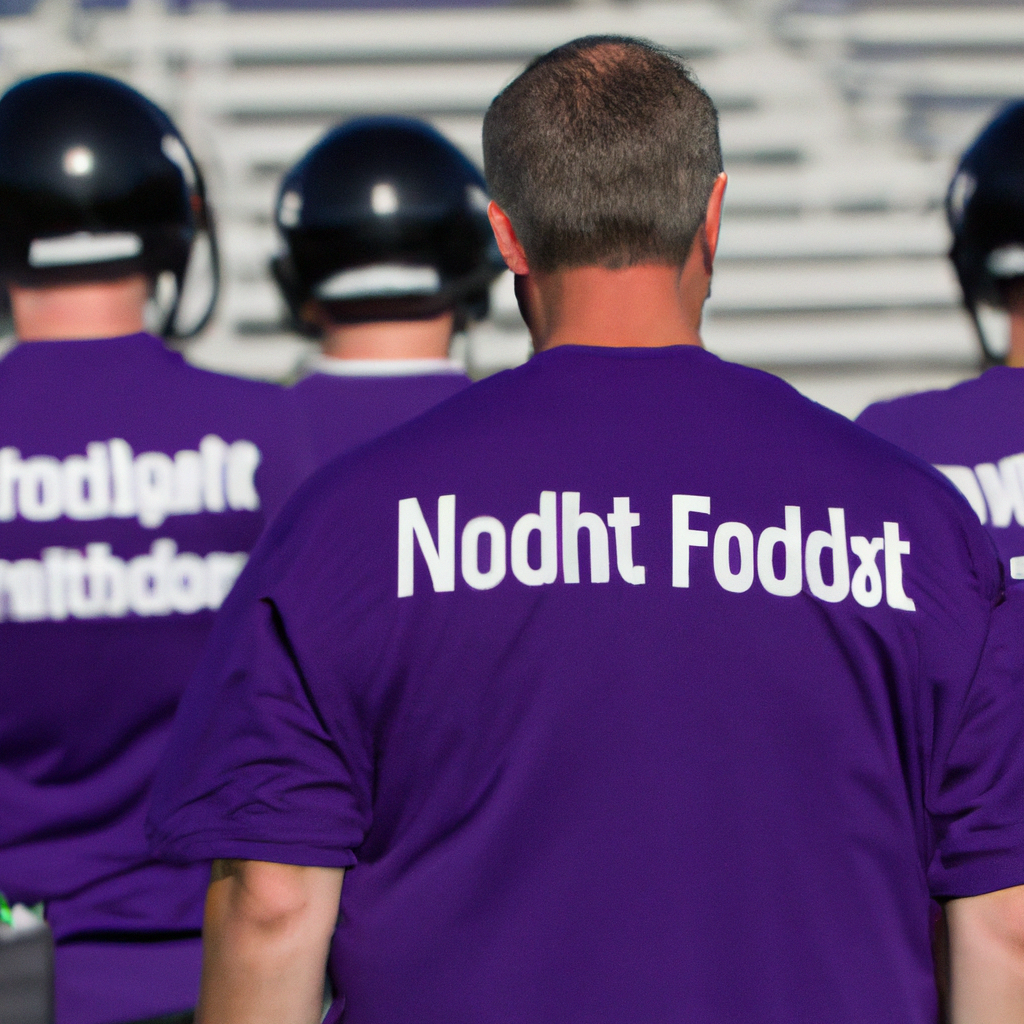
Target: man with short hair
column 627, row 685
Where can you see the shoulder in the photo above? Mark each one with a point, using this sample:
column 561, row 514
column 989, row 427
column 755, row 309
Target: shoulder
column 249, row 404
column 771, row 398
column 216, row 381
column 239, row 408
column 978, row 421
column 927, row 410
column 840, row 454
column 315, row 381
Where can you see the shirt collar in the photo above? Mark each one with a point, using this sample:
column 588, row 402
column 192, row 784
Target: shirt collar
column 320, row 363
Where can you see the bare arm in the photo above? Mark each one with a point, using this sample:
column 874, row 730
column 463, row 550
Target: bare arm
column 266, row 934
column 986, row 952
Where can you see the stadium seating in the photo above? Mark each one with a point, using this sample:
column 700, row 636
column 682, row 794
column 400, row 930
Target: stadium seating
column 840, row 127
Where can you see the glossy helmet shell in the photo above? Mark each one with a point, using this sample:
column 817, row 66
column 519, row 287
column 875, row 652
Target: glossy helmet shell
column 985, row 209
column 384, row 219
column 96, row 183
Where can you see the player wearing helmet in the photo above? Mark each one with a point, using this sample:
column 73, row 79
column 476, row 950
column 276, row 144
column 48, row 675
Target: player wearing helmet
column 387, row 253
column 974, row 432
column 669, row 696
column 132, row 487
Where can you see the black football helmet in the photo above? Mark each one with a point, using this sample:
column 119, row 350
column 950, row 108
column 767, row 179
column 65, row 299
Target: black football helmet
column 985, row 208
column 96, row 183
column 384, row 219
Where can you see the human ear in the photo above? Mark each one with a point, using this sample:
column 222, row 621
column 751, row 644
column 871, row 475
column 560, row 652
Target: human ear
column 713, row 217
column 509, row 244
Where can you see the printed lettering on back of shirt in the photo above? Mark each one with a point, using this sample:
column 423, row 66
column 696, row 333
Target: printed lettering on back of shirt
column 66, row 583
column 111, row 482
column 995, row 490
column 831, row 565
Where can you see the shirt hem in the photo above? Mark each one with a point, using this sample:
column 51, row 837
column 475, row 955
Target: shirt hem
column 226, row 848
column 962, row 883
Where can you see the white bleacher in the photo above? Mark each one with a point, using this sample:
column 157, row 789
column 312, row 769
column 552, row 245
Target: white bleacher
column 692, row 27
column 935, row 71
column 839, row 132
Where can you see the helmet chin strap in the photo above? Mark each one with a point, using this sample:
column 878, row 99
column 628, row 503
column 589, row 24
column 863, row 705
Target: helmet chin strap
column 988, row 355
column 172, row 329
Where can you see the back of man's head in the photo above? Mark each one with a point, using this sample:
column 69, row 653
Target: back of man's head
column 603, row 152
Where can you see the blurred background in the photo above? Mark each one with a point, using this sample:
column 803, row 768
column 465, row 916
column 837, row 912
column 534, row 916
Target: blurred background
column 841, row 123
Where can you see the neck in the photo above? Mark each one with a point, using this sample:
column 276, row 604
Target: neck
column 647, row 306
column 102, row 309
column 650, row 305
column 398, row 339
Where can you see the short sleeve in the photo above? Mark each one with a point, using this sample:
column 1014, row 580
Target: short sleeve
column 976, row 789
column 251, row 771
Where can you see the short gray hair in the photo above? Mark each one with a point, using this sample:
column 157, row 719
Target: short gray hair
column 603, row 152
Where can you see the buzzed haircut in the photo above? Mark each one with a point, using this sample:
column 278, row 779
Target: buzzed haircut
column 603, row 152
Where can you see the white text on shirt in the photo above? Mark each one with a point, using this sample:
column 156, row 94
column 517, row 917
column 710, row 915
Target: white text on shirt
column 823, row 562
column 111, row 481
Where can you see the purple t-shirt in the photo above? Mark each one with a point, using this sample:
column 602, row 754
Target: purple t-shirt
column 629, row 685
column 132, row 487
column 974, row 434
column 345, row 410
